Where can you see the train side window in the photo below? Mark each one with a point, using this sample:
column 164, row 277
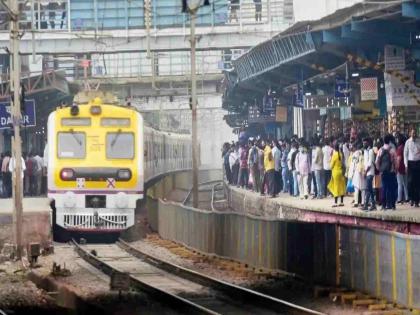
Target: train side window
column 71, row 145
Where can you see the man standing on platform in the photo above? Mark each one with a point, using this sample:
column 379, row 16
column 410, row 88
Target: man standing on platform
column 369, row 169
column 284, row 169
column 277, row 167
column 386, row 161
column 268, row 171
column 412, row 165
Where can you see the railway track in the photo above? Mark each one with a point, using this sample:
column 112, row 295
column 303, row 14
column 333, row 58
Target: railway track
column 183, row 289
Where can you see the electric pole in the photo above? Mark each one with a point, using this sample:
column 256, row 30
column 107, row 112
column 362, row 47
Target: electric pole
column 16, row 119
column 194, row 111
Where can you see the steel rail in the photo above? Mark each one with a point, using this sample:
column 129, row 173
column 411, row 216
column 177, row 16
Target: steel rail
column 159, row 295
column 231, row 290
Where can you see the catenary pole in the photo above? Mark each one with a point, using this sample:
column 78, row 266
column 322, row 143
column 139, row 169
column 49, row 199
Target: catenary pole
column 16, row 118
column 194, row 110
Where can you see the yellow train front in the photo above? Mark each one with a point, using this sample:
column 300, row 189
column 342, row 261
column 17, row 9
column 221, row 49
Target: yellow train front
column 95, row 166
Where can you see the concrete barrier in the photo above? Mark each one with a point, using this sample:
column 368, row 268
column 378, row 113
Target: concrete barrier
column 304, row 249
column 36, row 227
column 382, row 263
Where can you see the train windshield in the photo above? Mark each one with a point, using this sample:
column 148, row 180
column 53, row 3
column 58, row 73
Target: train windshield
column 71, row 145
column 120, row 145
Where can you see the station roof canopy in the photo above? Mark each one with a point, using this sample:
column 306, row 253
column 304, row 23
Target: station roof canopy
column 310, row 48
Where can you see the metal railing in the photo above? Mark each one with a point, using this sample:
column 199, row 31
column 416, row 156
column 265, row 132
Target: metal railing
column 35, row 82
column 77, row 15
column 136, row 64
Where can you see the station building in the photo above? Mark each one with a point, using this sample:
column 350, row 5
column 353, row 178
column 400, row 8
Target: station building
column 354, row 69
column 139, row 50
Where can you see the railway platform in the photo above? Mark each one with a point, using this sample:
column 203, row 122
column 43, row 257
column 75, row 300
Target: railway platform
column 405, row 219
column 36, row 220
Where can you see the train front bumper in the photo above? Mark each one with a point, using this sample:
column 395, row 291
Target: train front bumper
column 95, row 219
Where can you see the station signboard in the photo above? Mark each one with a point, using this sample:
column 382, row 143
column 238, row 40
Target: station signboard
column 28, row 115
column 400, row 93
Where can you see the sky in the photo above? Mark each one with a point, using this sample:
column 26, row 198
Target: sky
column 315, row 9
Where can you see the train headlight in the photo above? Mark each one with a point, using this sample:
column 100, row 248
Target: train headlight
column 124, row 174
column 69, row 199
column 74, row 110
column 121, row 200
column 95, row 110
column 67, row 174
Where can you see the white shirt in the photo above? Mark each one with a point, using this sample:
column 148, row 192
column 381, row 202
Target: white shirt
column 317, row 159
column 12, row 166
column 327, row 151
column 45, row 159
column 369, row 160
column 346, row 153
column 233, row 158
column 39, row 163
column 277, row 158
column 411, row 151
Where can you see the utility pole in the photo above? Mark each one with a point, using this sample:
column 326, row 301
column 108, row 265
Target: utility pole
column 194, row 110
column 16, row 118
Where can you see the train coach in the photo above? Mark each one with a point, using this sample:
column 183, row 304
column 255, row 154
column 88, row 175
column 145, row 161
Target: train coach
column 99, row 156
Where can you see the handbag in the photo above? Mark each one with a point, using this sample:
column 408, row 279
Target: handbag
column 350, row 186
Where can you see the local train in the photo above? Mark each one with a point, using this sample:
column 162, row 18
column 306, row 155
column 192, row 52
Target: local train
column 99, row 155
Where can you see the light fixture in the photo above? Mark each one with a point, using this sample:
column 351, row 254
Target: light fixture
column 193, row 5
column 308, row 93
column 355, row 74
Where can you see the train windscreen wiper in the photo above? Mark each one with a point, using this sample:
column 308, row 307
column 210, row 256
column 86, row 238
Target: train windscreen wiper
column 79, row 142
column 115, row 138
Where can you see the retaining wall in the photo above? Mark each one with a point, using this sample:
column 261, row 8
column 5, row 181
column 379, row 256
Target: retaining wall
column 294, row 247
column 36, row 227
column 382, row 263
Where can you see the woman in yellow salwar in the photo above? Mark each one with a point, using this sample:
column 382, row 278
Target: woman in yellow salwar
column 337, row 184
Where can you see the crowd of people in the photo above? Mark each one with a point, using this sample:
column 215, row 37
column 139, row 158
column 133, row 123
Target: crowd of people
column 32, row 174
column 373, row 171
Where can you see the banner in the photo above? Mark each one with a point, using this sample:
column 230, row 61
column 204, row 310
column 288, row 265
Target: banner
column 397, row 93
column 394, row 58
column 281, row 114
column 28, row 116
column 369, row 89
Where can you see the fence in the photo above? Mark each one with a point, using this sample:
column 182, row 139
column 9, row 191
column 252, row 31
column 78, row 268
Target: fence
column 82, row 15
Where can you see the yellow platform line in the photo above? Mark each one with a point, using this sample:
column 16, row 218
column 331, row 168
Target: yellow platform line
column 377, row 270
column 409, row 272
column 394, row 269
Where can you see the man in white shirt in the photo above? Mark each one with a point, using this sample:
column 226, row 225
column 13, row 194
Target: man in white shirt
column 317, row 168
column 38, row 173
column 276, row 152
column 12, row 167
column 369, row 161
column 412, row 165
column 234, row 164
column 327, row 152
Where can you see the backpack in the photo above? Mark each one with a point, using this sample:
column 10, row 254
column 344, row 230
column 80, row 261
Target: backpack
column 385, row 161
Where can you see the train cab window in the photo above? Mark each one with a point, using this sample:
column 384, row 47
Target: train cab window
column 71, row 145
column 76, row 121
column 115, row 122
column 119, row 145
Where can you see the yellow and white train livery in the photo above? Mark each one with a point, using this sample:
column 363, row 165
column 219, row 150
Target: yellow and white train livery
column 99, row 155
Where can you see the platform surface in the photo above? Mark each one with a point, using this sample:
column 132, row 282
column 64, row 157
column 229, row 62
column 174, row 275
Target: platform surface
column 248, row 199
column 32, row 204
